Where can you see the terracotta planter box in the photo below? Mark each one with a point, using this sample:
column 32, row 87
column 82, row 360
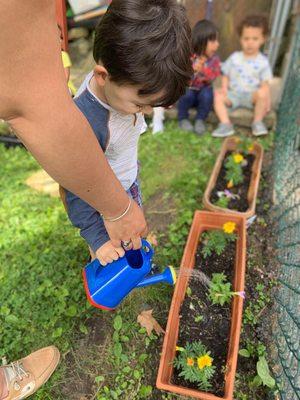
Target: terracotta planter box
column 204, row 221
column 230, row 144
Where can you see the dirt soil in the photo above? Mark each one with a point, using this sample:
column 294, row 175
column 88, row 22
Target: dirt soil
column 89, row 349
column 213, row 329
column 261, row 268
column 240, row 203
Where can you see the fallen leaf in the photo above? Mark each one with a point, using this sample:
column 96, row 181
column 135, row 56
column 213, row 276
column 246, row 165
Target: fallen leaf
column 146, row 320
column 152, row 239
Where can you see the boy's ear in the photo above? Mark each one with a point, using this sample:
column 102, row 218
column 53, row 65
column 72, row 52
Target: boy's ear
column 100, row 74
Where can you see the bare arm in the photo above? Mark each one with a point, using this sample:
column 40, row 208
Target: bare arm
column 34, row 99
column 225, row 84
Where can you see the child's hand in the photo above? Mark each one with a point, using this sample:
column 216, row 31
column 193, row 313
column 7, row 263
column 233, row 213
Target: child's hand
column 198, row 65
column 108, row 253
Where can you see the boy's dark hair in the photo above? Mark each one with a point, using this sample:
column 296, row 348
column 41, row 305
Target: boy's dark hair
column 203, row 32
column 254, row 21
column 146, row 43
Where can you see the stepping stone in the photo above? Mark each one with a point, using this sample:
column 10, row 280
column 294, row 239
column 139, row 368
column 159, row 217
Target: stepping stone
column 42, row 182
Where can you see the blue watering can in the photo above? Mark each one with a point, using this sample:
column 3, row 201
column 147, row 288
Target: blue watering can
column 107, row 286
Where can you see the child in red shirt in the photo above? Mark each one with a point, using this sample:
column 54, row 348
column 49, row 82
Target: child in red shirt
column 207, row 68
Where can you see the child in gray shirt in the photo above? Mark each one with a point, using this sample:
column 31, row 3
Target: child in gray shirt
column 245, row 81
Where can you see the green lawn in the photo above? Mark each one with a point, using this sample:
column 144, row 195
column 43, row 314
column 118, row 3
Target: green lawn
column 42, row 300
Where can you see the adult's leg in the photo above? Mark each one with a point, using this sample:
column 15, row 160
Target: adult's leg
column 187, row 101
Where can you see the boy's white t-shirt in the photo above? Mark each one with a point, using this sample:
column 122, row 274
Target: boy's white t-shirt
column 246, row 74
column 124, row 132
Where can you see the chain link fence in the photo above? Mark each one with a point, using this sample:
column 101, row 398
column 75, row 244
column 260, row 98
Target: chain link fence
column 287, row 217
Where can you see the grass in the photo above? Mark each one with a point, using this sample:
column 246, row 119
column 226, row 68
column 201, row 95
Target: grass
column 42, row 300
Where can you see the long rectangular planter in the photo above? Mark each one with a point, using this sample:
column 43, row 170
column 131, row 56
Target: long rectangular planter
column 230, row 144
column 204, row 221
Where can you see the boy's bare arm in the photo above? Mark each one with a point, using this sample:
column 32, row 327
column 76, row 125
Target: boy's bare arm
column 34, row 99
column 225, row 84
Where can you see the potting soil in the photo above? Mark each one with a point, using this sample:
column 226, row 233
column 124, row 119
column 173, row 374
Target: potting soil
column 240, row 204
column 213, row 330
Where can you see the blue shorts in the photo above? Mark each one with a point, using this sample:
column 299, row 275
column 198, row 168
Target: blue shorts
column 240, row 100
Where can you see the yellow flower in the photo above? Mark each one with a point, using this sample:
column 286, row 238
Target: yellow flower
column 204, row 361
column 238, row 158
column 251, row 147
column 190, row 362
column 230, row 184
column 179, row 348
column 229, row 227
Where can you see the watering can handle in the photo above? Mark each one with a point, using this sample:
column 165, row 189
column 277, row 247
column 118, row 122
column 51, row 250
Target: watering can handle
column 149, row 252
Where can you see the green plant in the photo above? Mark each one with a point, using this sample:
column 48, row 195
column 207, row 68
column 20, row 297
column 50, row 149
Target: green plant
column 258, row 351
column 199, row 318
column 264, row 373
column 219, row 291
column 215, row 241
column 234, row 170
column 223, row 201
column 129, row 365
column 256, row 307
column 253, row 349
column 195, row 364
column 244, row 145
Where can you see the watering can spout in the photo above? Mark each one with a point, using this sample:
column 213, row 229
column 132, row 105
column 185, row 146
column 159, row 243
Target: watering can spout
column 168, row 276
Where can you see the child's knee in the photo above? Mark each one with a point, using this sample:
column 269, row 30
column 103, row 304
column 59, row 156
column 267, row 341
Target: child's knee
column 219, row 97
column 261, row 95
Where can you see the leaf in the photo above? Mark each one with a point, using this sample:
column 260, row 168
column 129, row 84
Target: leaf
column 136, row 374
column 83, row 329
column 57, row 333
column 264, row 372
column 244, row 353
column 145, row 391
column 118, row 322
column 117, row 349
column 146, row 320
column 142, row 358
column 11, row 319
column 256, row 381
column 71, row 311
column 99, row 379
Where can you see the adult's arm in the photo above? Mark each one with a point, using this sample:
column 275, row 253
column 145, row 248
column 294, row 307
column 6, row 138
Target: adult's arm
column 34, row 99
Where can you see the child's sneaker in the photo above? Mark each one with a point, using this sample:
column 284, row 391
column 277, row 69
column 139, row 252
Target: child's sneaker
column 200, row 127
column 259, row 129
column 26, row 376
column 185, row 125
column 223, row 130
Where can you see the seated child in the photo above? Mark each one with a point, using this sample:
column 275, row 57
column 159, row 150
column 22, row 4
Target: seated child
column 245, row 79
column 206, row 65
column 142, row 55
